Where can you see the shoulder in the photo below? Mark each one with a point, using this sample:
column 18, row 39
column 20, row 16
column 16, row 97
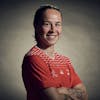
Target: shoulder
column 35, row 55
column 33, row 61
column 33, row 51
column 32, row 55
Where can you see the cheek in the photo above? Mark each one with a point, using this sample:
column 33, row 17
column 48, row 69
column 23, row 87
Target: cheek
column 60, row 31
column 44, row 30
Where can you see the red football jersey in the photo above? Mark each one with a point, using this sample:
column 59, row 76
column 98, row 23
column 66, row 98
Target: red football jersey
column 40, row 71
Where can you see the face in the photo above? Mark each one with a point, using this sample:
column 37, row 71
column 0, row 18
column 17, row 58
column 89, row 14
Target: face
column 50, row 28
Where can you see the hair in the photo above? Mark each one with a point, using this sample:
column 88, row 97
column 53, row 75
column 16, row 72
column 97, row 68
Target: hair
column 39, row 13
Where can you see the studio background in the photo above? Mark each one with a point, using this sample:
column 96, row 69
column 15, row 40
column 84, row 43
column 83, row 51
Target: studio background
column 80, row 41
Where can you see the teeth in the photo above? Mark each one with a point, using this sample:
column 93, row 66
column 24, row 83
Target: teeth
column 51, row 36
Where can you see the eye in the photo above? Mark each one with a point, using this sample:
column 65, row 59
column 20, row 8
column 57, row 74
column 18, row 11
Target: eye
column 58, row 24
column 46, row 24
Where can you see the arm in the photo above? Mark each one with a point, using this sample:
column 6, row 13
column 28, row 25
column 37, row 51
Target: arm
column 76, row 93
column 52, row 94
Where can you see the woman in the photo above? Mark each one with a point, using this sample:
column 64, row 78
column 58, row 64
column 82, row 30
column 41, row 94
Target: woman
column 48, row 75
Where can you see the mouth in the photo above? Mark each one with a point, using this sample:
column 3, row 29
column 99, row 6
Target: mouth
column 51, row 36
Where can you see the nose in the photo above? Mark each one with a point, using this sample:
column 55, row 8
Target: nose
column 53, row 28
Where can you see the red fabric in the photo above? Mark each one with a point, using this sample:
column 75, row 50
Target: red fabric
column 40, row 71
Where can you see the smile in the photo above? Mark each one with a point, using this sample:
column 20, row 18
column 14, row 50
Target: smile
column 51, row 36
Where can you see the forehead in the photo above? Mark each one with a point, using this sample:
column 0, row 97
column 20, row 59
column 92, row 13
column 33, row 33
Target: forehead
column 52, row 13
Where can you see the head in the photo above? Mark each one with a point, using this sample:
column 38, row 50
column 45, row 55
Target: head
column 48, row 25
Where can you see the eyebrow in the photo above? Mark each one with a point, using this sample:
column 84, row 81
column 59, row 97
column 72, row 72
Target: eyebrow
column 56, row 22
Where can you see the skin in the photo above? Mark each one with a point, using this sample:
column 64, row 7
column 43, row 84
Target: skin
column 49, row 32
column 76, row 93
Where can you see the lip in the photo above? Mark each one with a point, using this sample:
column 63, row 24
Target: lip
column 51, row 35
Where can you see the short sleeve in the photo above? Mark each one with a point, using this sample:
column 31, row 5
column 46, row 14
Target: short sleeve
column 75, row 79
column 37, row 72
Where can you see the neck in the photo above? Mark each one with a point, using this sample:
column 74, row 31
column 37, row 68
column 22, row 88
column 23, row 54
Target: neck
column 49, row 50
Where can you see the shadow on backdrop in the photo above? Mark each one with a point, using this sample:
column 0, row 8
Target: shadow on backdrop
column 81, row 37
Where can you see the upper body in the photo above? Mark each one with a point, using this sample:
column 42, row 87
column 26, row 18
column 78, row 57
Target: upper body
column 46, row 74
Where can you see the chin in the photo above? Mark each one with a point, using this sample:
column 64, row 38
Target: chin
column 51, row 43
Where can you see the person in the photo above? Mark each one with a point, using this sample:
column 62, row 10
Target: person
column 48, row 75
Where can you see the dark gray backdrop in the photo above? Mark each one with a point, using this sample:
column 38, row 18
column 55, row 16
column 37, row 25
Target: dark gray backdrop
column 80, row 41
